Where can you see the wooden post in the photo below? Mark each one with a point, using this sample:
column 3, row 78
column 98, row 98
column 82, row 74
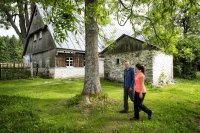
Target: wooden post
column 31, row 65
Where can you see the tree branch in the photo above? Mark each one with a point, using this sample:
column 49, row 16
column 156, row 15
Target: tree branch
column 22, row 22
column 10, row 19
column 131, row 11
column 120, row 1
column 142, row 16
column 26, row 13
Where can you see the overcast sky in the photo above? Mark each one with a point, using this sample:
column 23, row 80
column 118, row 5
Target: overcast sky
column 10, row 32
column 127, row 28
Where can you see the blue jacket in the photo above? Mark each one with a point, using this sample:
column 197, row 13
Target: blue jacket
column 129, row 78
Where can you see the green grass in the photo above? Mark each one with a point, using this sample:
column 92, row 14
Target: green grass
column 47, row 105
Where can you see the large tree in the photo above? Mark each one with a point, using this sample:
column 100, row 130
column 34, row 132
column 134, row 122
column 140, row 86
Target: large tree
column 92, row 81
column 94, row 14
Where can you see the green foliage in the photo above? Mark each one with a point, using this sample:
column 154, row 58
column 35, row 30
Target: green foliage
column 188, row 57
column 10, row 49
column 63, row 16
column 100, row 11
column 162, row 79
column 39, row 105
column 162, row 22
column 189, row 16
column 68, row 15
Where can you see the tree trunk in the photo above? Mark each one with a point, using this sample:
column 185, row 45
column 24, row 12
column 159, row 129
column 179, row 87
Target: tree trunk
column 92, row 81
column 22, row 21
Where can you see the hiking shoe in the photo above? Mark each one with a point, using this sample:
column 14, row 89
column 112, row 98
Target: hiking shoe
column 150, row 115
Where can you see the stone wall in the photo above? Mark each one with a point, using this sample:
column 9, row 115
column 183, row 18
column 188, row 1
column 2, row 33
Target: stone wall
column 114, row 64
column 159, row 66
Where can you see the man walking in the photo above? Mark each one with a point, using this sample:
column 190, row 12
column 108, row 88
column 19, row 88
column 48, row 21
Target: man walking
column 129, row 83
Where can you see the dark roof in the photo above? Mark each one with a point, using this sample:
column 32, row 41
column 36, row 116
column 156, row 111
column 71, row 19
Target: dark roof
column 149, row 46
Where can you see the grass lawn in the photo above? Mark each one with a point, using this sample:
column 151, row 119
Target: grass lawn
column 47, row 105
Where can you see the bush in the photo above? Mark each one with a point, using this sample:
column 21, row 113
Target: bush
column 187, row 59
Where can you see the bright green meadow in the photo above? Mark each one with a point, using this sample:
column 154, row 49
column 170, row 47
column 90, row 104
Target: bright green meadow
column 54, row 105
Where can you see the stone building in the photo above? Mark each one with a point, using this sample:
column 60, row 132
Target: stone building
column 158, row 65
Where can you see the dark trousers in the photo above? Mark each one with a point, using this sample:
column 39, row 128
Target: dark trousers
column 127, row 94
column 138, row 105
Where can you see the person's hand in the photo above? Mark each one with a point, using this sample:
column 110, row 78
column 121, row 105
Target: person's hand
column 130, row 89
column 140, row 95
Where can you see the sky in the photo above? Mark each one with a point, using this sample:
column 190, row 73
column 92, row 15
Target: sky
column 10, row 32
column 127, row 29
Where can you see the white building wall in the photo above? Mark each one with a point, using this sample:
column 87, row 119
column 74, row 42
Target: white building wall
column 162, row 65
column 101, row 66
column 67, row 72
column 71, row 72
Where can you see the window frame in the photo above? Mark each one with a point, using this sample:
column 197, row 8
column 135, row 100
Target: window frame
column 40, row 35
column 35, row 37
column 69, row 61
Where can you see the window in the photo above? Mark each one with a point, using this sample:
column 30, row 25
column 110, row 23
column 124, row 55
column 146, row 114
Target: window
column 69, row 61
column 40, row 35
column 117, row 62
column 35, row 37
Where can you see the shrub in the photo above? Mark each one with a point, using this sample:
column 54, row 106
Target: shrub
column 187, row 59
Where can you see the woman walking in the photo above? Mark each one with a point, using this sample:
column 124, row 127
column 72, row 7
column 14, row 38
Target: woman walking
column 140, row 92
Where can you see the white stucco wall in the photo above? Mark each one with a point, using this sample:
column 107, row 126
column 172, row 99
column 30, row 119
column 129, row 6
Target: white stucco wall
column 67, row 72
column 162, row 63
column 101, row 66
column 71, row 72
